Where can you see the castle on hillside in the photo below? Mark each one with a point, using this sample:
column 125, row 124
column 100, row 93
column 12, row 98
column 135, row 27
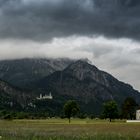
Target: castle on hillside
column 41, row 97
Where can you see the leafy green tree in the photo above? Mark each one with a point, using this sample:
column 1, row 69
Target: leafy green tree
column 128, row 108
column 71, row 108
column 110, row 110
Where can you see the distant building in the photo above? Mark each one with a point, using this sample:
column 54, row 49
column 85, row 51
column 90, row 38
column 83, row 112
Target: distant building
column 138, row 114
column 137, row 118
column 41, row 97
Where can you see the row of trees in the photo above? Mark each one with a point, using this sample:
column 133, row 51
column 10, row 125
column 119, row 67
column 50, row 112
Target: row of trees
column 71, row 109
column 110, row 109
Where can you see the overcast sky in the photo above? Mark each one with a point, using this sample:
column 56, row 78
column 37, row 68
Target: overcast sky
column 105, row 31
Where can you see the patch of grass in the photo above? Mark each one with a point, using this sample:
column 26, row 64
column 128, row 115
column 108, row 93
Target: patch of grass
column 60, row 129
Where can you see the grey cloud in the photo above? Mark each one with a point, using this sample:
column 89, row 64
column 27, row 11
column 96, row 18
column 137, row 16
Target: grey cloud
column 45, row 19
column 98, row 50
column 136, row 51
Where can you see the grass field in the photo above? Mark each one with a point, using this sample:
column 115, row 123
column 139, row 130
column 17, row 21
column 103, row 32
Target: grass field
column 59, row 129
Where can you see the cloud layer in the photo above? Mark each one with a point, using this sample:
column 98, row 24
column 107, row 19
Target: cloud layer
column 46, row 19
column 120, row 57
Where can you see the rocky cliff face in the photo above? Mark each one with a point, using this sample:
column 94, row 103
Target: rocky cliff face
column 12, row 97
column 83, row 70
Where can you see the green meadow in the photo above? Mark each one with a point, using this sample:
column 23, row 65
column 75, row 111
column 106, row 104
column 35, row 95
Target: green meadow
column 60, row 129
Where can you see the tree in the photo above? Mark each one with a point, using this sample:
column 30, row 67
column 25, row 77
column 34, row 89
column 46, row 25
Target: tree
column 110, row 110
column 128, row 108
column 71, row 108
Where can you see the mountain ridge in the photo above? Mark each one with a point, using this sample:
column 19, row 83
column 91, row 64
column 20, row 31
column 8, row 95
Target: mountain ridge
column 22, row 72
column 87, row 83
column 78, row 80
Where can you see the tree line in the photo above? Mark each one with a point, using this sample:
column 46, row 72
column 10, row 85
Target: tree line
column 110, row 109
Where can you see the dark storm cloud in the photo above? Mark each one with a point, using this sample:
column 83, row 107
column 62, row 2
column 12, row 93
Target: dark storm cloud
column 46, row 19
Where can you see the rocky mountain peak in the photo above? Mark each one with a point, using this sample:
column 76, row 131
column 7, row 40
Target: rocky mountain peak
column 81, row 66
column 83, row 70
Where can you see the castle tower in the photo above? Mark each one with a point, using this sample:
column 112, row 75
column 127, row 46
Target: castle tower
column 40, row 96
column 50, row 96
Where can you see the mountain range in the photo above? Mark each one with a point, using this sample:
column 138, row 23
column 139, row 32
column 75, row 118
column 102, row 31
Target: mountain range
column 22, row 72
column 66, row 79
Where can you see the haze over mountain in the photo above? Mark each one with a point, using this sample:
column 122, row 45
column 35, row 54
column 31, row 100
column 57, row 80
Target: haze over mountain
column 22, row 72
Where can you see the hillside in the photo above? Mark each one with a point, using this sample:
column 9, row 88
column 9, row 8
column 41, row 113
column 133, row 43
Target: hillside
column 15, row 100
column 65, row 79
column 88, row 85
column 12, row 98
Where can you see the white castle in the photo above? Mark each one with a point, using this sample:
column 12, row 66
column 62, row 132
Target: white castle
column 41, row 97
